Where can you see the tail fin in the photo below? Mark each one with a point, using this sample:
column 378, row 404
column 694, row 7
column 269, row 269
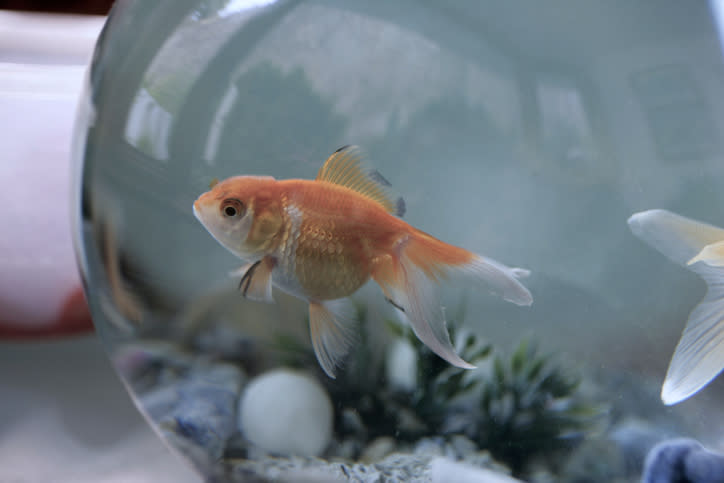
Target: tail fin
column 410, row 276
column 677, row 237
column 699, row 355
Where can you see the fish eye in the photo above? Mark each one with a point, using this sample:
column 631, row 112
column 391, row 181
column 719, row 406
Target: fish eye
column 232, row 208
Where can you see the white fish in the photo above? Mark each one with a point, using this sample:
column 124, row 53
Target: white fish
column 699, row 356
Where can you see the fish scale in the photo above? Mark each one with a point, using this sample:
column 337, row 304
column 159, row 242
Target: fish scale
column 327, row 266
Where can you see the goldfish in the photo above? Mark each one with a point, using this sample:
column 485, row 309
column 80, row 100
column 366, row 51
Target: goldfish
column 321, row 240
column 699, row 355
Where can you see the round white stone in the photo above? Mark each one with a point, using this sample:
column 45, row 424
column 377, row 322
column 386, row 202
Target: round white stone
column 401, row 368
column 286, row 412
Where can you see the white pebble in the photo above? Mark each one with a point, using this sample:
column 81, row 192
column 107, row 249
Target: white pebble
column 286, row 412
column 443, row 470
column 401, row 366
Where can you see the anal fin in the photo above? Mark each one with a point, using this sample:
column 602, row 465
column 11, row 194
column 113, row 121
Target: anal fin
column 330, row 327
column 256, row 281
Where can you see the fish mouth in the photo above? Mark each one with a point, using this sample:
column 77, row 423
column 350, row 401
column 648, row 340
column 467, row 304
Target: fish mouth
column 196, row 210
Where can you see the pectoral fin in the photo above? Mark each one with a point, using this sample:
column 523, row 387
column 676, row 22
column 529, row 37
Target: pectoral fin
column 256, row 280
column 330, row 326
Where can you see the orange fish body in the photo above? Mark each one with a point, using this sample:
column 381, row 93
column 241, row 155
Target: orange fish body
column 322, row 239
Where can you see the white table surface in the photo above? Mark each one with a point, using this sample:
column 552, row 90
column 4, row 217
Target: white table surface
column 66, row 417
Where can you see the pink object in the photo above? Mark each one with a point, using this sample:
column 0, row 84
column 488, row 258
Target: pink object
column 40, row 289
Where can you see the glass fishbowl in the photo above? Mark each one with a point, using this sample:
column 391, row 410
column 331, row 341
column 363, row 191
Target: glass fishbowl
column 523, row 132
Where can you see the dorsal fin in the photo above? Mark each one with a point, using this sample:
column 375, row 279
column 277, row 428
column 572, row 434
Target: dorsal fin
column 345, row 167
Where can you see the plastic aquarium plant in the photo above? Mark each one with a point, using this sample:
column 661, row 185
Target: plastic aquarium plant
column 529, row 407
column 525, row 407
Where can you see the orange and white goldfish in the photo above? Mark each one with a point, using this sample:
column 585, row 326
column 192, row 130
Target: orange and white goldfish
column 321, row 240
column 699, row 355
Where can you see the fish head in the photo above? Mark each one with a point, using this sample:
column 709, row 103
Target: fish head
column 236, row 212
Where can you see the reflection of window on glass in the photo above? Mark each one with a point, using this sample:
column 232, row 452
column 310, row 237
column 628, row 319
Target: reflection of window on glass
column 677, row 113
column 148, row 126
column 566, row 136
column 169, row 78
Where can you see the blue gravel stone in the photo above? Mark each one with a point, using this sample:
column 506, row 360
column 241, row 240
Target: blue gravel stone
column 683, row 460
column 206, row 410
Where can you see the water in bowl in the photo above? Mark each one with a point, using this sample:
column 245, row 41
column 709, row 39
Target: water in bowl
column 523, row 132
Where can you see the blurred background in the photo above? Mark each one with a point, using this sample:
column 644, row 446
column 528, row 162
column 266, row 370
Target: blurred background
column 65, row 414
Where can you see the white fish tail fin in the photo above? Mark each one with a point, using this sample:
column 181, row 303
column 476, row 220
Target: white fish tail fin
column 699, row 355
column 410, row 277
column 712, row 255
column 677, row 237
column 330, row 326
